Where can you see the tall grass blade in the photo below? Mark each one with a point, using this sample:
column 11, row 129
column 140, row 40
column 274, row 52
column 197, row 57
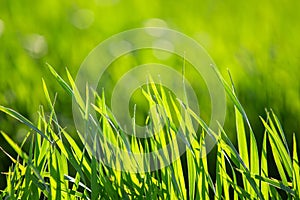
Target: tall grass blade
column 296, row 168
column 22, row 119
column 264, row 168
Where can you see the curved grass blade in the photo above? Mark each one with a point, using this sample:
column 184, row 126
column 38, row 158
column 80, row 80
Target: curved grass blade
column 25, row 121
column 60, row 80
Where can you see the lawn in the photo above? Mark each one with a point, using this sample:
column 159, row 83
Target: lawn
column 254, row 47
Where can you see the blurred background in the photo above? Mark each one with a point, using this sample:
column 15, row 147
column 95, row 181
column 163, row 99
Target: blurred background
column 258, row 41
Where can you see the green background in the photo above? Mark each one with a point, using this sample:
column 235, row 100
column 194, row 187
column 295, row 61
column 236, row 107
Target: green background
column 258, row 41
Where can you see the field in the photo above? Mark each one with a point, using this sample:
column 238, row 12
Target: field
column 257, row 42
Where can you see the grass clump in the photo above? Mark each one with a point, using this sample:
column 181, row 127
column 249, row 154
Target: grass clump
column 58, row 167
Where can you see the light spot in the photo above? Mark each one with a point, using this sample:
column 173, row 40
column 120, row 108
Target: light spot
column 155, row 22
column 1, row 27
column 106, row 2
column 117, row 48
column 21, row 133
column 165, row 47
column 203, row 38
column 82, row 18
column 35, row 45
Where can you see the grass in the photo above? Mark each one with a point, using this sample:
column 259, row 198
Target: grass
column 261, row 63
column 258, row 43
column 59, row 167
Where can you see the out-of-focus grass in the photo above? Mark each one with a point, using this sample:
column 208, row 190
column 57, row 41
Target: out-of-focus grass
column 257, row 40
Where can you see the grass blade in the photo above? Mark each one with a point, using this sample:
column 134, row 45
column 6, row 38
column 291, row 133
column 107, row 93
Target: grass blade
column 22, row 119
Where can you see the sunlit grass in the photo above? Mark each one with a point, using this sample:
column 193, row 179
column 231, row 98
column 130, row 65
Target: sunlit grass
column 58, row 167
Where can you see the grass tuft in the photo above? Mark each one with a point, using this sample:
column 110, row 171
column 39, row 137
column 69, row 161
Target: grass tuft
column 59, row 167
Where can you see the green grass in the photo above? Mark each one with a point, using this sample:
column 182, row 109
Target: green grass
column 258, row 41
column 58, row 167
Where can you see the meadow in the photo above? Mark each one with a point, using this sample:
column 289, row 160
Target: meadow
column 256, row 41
